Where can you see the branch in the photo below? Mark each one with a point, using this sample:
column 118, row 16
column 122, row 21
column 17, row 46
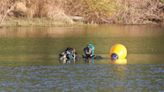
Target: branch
column 4, row 16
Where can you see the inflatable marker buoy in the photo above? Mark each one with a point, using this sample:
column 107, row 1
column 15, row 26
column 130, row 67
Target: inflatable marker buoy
column 118, row 51
column 118, row 54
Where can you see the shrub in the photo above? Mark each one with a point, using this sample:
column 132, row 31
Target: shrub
column 93, row 11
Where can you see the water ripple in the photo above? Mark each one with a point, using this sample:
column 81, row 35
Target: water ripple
column 83, row 78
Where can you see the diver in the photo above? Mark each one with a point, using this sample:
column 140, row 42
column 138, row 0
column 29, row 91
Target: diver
column 62, row 58
column 89, row 53
column 68, row 56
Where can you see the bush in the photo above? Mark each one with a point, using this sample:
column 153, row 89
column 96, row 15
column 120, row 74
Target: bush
column 93, row 11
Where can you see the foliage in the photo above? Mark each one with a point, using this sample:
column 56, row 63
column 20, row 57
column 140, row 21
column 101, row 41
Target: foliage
column 93, row 11
column 162, row 1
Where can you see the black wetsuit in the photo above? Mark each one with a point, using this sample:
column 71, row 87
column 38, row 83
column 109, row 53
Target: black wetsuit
column 70, row 54
column 88, row 53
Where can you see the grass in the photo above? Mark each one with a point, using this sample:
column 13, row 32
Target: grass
column 37, row 22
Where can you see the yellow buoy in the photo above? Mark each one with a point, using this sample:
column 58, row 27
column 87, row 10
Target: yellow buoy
column 118, row 54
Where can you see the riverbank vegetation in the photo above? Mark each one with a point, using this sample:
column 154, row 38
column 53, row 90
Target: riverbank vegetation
column 54, row 12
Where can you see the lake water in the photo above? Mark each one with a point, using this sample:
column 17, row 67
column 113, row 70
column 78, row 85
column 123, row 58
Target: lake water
column 29, row 59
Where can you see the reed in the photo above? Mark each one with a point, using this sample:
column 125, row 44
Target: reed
column 93, row 11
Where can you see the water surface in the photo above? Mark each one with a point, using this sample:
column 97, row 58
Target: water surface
column 29, row 59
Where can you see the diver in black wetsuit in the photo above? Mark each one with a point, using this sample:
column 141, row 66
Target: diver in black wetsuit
column 89, row 53
column 68, row 56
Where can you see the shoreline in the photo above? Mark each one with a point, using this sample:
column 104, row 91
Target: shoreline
column 25, row 22
column 45, row 22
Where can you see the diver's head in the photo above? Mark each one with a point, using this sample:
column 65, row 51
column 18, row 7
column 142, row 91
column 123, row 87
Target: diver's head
column 91, row 46
column 114, row 57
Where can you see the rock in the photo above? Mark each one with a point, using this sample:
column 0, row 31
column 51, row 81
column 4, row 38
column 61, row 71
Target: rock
column 77, row 18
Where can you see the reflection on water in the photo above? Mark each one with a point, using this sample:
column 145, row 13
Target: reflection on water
column 87, row 31
column 29, row 59
column 39, row 44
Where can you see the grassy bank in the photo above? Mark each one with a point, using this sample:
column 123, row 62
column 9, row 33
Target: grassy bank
column 25, row 22
column 63, row 12
column 33, row 22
